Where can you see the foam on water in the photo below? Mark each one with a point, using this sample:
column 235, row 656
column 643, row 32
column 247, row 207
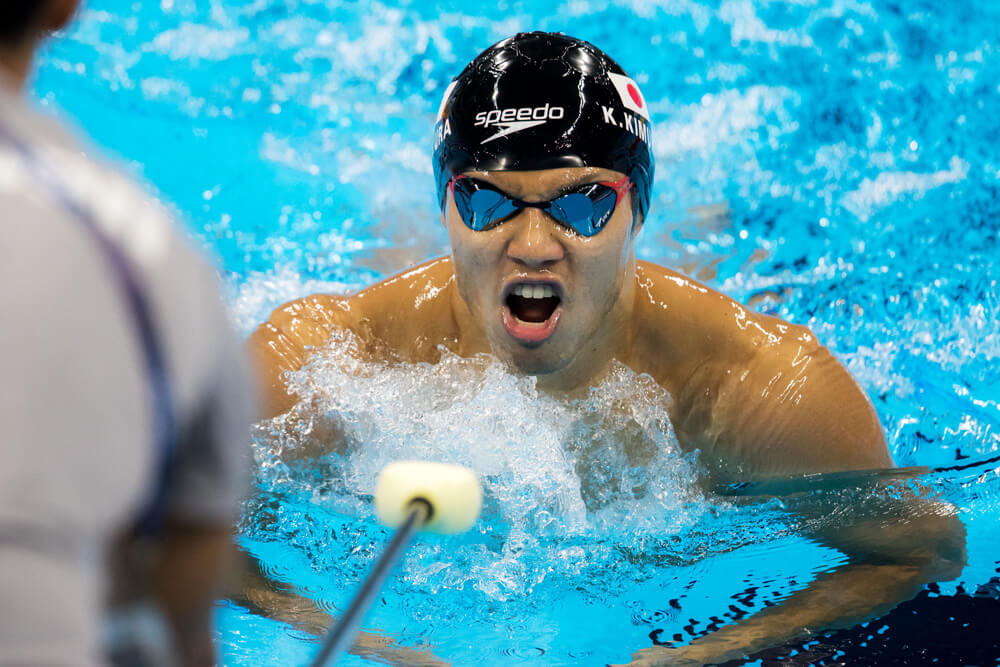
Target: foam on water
column 832, row 163
column 605, row 467
column 593, row 516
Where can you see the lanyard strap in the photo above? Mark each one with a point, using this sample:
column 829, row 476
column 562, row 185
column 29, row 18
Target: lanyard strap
column 150, row 521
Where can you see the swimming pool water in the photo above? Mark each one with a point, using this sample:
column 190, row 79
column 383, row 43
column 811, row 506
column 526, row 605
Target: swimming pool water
column 833, row 163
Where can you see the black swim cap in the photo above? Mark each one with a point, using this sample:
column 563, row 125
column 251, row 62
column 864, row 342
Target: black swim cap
column 541, row 100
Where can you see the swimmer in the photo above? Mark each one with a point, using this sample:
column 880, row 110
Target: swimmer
column 544, row 168
column 124, row 404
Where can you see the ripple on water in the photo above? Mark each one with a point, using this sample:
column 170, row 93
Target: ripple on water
column 833, row 162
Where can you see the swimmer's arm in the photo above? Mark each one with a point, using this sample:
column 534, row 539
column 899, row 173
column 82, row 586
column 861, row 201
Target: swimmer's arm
column 795, row 409
column 266, row 597
column 816, row 418
column 889, row 561
column 283, row 344
column 763, row 409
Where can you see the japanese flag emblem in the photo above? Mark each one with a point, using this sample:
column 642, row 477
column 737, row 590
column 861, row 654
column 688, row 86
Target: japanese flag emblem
column 629, row 93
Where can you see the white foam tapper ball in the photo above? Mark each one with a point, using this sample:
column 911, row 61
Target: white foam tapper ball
column 453, row 493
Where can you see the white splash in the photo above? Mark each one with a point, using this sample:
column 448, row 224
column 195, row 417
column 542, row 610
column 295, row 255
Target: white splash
column 604, row 468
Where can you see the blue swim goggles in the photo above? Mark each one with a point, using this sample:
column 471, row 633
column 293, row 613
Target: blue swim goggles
column 585, row 210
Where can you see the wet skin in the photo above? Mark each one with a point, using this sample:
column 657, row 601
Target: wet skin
column 756, row 396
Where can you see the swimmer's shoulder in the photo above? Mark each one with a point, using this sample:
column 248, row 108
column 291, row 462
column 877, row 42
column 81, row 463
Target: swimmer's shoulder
column 410, row 313
column 413, row 294
column 308, row 320
column 761, row 394
column 284, row 341
column 691, row 338
column 406, row 316
column 703, row 323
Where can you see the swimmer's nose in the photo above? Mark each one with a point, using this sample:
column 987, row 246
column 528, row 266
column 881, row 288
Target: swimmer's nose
column 534, row 243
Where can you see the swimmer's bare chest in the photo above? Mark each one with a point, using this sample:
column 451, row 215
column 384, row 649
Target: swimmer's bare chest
column 755, row 395
column 410, row 318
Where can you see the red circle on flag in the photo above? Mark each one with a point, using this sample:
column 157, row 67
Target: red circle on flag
column 636, row 97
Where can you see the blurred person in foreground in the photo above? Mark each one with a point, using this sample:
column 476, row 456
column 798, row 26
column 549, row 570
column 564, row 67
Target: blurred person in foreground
column 123, row 402
column 543, row 173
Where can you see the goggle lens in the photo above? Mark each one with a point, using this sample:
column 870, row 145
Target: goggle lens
column 485, row 207
column 585, row 211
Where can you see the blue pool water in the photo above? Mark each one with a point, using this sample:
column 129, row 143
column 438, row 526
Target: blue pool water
column 833, row 163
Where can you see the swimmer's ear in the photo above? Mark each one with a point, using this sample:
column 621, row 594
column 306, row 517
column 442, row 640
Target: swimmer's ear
column 637, row 217
column 637, row 223
column 444, row 210
column 58, row 13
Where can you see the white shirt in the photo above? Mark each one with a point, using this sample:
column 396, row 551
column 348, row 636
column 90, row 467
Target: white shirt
column 77, row 452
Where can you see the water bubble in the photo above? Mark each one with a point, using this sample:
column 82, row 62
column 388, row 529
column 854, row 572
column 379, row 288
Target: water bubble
column 567, row 482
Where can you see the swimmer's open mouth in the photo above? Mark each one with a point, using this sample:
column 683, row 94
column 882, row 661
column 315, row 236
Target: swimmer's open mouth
column 533, row 303
column 531, row 311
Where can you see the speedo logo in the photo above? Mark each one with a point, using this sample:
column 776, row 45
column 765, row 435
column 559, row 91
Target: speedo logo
column 516, row 119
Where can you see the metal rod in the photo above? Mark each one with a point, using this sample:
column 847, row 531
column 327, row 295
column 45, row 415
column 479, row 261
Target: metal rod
column 342, row 633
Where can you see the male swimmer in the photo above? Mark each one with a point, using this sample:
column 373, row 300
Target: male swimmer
column 544, row 172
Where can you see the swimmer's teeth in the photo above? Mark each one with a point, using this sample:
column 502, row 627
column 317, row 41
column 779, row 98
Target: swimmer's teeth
column 534, row 291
